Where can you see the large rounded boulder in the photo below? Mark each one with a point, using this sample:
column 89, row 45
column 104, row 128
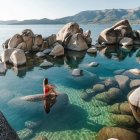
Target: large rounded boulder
column 134, row 101
column 18, row 57
column 123, row 82
column 110, row 96
column 123, row 120
column 114, row 34
column 14, row 41
column 58, row 50
column 22, row 46
column 77, row 43
column 68, row 30
column 5, row 56
column 132, row 73
column 121, row 108
column 118, row 133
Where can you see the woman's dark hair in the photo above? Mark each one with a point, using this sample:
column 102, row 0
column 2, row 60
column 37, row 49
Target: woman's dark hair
column 45, row 82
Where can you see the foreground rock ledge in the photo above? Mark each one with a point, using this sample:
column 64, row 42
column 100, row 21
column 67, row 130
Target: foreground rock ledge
column 6, row 131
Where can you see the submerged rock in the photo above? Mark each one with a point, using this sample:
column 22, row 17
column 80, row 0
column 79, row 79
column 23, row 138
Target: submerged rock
column 40, row 54
column 97, row 45
column 47, row 51
column 118, row 72
column 110, row 82
column 98, row 88
column 135, row 71
column 93, row 64
column 112, row 139
column 92, row 50
column 76, row 72
column 15, row 41
column 32, row 124
column 46, row 64
column 123, row 120
column 25, row 134
column 134, row 101
column 121, row 108
column 118, row 133
column 41, row 138
column 132, row 73
column 110, row 96
column 58, row 50
column 87, row 96
column 123, row 82
column 28, row 103
column 6, row 131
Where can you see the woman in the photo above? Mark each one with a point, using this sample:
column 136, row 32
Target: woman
column 48, row 88
column 51, row 95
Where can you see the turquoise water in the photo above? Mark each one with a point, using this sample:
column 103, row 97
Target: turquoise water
column 78, row 120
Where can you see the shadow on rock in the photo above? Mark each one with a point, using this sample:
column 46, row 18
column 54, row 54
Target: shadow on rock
column 71, row 118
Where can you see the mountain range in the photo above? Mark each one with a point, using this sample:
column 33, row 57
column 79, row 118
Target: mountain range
column 85, row 17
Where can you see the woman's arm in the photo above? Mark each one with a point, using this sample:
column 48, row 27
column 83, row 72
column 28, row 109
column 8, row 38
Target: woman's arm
column 52, row 89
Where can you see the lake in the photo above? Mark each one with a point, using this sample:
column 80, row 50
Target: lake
column 79, row 120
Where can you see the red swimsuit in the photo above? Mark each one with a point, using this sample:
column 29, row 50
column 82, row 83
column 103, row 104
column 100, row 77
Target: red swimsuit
column 47, row 89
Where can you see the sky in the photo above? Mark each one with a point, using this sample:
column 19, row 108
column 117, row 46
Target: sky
column 52, row 9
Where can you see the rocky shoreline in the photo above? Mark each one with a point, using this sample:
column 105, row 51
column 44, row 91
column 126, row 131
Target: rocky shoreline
column 125, row 114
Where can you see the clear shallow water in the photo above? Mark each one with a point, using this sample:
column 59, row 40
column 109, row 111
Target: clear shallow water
column 80, row 119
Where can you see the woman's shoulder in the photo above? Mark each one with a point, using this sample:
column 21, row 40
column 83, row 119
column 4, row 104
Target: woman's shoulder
column 49, row 86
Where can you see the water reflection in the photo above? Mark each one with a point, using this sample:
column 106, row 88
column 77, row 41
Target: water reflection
column 116, row 52
column 73, row 59
column 138, row 56
column 49, row 102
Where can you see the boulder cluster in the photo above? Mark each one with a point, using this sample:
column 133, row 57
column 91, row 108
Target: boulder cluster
column 121, row 33
column 71, row 37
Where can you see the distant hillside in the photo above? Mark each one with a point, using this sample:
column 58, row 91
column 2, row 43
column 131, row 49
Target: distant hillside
column 95, row 16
